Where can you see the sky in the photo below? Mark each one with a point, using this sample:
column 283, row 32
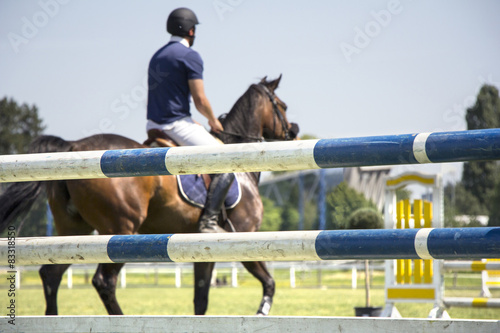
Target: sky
column 350, row 68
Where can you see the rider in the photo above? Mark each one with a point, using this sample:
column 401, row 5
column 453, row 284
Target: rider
column 175, row 74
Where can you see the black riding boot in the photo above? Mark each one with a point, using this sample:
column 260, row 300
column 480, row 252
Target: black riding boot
column 217, row 191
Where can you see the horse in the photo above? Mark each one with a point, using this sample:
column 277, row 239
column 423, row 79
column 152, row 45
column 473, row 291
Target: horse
column 152, row 204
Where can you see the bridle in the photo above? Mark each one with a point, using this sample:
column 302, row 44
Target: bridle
column 283, row 122
column 272, row 99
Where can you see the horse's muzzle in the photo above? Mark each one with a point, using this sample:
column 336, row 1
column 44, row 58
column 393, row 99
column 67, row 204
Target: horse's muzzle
column 293, row 131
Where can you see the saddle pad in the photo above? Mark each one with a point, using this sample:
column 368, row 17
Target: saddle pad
column 193, row 190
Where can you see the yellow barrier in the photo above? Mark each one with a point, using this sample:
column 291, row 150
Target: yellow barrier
column 422, row 218
column 492, row 277
column 413, row 280
column 421, row 281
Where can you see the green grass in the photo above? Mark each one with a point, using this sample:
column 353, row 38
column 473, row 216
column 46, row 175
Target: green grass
column 146, row 295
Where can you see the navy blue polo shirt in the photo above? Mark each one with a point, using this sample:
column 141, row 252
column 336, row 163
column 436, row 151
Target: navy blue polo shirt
column 169, row 70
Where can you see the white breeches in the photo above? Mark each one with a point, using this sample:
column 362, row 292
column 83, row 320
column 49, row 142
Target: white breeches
column 185, row 132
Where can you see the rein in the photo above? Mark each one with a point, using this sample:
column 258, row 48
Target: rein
column 247, row 137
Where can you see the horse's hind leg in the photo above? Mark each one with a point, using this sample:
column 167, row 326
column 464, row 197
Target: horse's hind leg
column 259, row 270
column 104, row 282
column 68, row 222
column 202, row 277
column 51, row 276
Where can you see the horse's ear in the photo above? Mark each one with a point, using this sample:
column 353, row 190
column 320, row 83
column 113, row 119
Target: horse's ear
column 263, row 80
column 273, row 85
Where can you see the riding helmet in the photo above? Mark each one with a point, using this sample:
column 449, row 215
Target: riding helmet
column 180, row 21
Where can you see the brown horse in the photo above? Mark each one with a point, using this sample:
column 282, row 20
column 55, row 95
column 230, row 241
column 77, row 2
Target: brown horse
column 151, row 205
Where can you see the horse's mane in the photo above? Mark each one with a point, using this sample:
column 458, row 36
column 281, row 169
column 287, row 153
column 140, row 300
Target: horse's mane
column 241, row 116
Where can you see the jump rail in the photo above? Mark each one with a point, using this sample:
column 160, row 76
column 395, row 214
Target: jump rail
column 454, row 243
column 270, row 156
column 472, row 302
column 474, row 266
column 277, row 324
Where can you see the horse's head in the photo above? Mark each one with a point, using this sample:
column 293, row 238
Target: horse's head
column 258, row 114
column 275, row 125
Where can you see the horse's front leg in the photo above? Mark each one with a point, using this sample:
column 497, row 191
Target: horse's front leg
column 259, row 270
column 202, row 278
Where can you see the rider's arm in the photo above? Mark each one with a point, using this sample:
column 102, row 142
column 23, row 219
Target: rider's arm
column 203, row 105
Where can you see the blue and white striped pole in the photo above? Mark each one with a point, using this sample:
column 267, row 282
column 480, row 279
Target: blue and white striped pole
column 269, row 156
column 466, row 243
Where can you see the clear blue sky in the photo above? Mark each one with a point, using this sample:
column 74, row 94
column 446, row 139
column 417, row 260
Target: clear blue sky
column 350, row 68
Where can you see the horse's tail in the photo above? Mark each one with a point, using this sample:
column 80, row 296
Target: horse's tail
column 18, row 198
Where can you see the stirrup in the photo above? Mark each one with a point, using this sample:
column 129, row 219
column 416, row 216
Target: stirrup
column 226, row 220
column 210, row 225
column 211, row 228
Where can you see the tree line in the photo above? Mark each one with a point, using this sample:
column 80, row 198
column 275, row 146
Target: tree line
column 19, row 125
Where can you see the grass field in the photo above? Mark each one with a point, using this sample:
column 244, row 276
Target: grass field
column 150, row 295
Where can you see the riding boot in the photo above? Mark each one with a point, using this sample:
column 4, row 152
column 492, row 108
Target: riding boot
column 217, row 191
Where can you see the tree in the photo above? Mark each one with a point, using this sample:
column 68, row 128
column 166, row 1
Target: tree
column 272, row 216
column 403, row 193
column 494, row 220
column 486, row 112
column 459, row 201
column 341, row 203
column 19, row 125
column 289, row 218
column 279, row 218
column 311, row 217
column 366, row 218
column 479, row 178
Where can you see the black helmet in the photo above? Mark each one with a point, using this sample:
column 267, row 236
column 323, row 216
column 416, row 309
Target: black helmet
column 180, row 21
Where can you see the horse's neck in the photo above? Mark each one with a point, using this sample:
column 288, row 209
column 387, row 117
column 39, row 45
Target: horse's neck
column 244, row 120
column 238, row 128
column 245, row 128
column 242, row 130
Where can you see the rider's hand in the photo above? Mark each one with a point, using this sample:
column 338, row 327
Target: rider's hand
column 215, row 125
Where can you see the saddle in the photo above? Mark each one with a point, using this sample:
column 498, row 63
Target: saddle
column 193, row 188
column 158, row 138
